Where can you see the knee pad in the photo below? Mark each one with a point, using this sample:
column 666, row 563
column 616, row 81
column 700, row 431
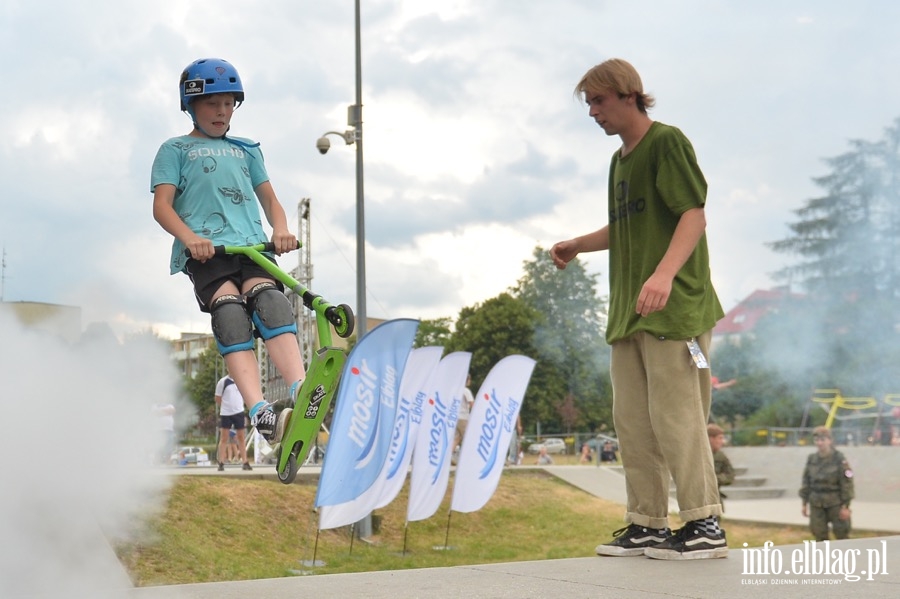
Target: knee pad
column 271, row 311
column 231, row 324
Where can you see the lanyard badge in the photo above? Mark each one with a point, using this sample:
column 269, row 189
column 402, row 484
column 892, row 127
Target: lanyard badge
column 697, row 354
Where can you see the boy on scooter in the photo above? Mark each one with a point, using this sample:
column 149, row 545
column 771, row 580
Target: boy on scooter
column 207, row 189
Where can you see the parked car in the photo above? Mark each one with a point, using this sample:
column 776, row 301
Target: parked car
column 596, row 443
column 189, row 455
column 552, row 444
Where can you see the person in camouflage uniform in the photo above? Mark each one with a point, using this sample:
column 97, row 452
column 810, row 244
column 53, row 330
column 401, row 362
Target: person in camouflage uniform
column 827, row 488
column 724, row 470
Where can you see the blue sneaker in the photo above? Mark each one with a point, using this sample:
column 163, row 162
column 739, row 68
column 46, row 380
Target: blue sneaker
column 292, row 394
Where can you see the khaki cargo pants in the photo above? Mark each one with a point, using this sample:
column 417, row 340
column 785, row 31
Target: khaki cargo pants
column 661, row 402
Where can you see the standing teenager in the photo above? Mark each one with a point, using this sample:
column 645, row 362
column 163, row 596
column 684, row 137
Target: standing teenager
column 662, row 309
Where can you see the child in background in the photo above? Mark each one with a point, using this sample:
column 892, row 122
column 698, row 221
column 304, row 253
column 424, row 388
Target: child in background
column 724, row 470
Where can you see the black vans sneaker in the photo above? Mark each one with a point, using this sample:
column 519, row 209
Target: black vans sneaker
column 271, row 425
column 690, row 542
column 633, row 540
column 266, row 423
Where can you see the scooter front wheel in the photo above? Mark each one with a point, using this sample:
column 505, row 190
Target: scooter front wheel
column 343, row 320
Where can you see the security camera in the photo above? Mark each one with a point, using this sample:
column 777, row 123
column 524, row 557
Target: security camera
column 322, row 144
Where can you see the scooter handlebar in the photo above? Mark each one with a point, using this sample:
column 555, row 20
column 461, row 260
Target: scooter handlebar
column 221, row 250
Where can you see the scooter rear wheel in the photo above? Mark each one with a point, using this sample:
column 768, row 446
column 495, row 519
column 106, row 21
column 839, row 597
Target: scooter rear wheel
column 290, row 470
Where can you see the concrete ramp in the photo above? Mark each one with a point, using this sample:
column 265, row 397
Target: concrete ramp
column 607, row 482
column 588, row 577
column 604, row 481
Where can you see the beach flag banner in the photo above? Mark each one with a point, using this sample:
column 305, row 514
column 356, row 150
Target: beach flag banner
column 365, row 409
column 418, row 377
column 489, row 433
column 420, row 366
column 434, row 443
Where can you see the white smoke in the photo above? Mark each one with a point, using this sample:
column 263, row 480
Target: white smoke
column 76, row 447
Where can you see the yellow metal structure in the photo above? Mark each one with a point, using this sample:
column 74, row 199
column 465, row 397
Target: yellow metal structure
column 838, row 401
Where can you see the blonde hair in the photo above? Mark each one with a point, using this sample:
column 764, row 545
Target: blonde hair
column 618, row 76
column 714, row 430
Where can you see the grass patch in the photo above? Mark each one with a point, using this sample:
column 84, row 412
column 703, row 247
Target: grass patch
column 217, row 529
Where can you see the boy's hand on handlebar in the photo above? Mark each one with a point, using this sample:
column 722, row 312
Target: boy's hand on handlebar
column 284, row 241
column 201, row 249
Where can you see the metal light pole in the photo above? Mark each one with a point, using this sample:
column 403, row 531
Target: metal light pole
column 364, row 526
column 354, row 135
column 351, row 136
column 361, row 327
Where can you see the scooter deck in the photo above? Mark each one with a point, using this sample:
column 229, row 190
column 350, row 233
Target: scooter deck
column 313, row 400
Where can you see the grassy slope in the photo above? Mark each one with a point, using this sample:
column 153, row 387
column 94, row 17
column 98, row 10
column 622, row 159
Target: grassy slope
column 217, row 528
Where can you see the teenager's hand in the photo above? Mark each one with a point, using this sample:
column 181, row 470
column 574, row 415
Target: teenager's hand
column 562, row 253
column 654, row 294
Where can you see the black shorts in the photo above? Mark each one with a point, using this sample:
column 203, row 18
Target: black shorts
column 209, row 276
column 238, row 421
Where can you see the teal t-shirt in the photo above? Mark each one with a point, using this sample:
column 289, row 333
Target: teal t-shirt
column 214, row 183
column 649, row 190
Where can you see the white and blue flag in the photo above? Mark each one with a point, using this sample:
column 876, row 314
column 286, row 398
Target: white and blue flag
column 365, row 408
column 419, row 370
column 434, row 443
column 489, row 433
column 417, row 381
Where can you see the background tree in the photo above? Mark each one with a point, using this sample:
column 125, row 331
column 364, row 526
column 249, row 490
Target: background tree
column 555, row 317
column 847, row 241
column 569, row 335
column 492, row 330
column 201, row 389
column 435, row 331
column 499, row 327
column 756, row 384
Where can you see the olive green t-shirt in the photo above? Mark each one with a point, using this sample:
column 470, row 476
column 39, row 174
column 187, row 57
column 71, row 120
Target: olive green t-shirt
column 649, row 190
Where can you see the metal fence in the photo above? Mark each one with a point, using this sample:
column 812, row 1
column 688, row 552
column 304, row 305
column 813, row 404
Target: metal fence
column 847, row 434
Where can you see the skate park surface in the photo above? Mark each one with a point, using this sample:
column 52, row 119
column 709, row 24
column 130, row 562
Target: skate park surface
column 868, row 567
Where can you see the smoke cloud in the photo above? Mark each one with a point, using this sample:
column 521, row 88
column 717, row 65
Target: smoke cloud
column 76, row 449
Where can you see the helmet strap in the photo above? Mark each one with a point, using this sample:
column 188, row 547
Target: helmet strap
column 200, row 129
column 190, row 112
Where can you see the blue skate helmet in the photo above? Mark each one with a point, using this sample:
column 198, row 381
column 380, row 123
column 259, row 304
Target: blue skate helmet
column 207, row 76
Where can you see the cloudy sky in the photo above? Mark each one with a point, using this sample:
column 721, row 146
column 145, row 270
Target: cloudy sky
column 476, row 150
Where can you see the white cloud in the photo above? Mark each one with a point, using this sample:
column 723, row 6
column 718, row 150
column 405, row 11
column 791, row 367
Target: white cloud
column 410, row 135
column 472, row 133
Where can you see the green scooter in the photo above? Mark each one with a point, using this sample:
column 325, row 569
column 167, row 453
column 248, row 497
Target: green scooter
column 322, row 374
